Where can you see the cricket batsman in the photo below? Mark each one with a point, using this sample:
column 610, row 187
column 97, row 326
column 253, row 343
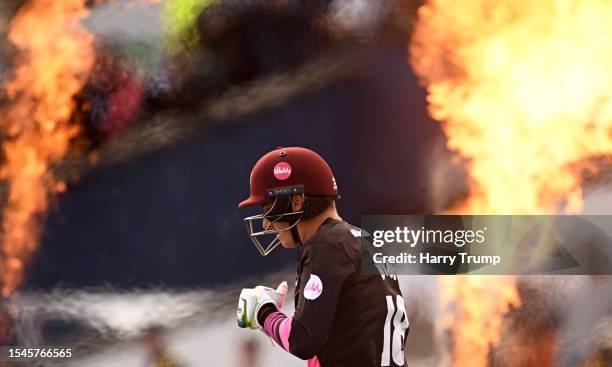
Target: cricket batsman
column 343, row 317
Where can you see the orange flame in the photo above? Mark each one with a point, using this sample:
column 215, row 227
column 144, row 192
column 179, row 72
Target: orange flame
column 522, row 89
column 57, row 55
column 481, row 302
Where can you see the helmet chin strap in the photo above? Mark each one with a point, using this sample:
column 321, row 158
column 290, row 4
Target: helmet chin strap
column 294, row 228
column 293, row 224
column 296, row 235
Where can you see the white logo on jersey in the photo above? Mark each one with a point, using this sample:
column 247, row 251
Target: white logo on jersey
column 313, row 288
column 356, row 232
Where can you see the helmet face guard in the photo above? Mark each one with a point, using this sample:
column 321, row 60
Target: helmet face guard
column 279, row 212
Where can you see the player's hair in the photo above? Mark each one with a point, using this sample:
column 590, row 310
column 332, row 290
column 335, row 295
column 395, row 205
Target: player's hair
column 314, row 206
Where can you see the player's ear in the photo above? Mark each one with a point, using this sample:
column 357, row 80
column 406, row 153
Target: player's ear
column 297, row 202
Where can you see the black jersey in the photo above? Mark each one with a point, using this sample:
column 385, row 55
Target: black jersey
column 343, row 317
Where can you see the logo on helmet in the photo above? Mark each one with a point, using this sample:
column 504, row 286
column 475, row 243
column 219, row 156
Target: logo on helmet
column 282, row 171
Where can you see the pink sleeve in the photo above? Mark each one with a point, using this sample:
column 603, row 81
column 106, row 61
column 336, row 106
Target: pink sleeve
column 278, row 327
column 313, row 362
column 284, row 330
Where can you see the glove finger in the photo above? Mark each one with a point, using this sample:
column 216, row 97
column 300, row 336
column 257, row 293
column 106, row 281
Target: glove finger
column 280, row 293
column 283, row 288
column 263, row 289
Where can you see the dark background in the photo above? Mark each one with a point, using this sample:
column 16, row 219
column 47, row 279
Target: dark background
column 171, row 217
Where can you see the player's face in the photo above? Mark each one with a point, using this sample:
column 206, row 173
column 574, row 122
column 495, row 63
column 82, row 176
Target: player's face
column 284, row 234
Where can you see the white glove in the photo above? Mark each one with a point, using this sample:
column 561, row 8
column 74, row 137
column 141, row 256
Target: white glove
column 253, row 299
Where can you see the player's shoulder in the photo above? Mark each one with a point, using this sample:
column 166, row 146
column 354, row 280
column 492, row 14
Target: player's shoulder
column 336, row 238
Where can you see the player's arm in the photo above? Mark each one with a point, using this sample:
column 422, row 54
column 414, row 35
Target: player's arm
column 323, row 277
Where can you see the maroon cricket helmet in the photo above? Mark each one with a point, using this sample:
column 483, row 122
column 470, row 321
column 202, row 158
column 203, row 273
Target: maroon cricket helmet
column 290, row 170
column 275, row 177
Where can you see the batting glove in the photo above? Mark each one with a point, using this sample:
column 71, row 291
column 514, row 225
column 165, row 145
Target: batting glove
column 253, row 299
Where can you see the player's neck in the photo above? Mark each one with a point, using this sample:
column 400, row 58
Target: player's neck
column 308, row 228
